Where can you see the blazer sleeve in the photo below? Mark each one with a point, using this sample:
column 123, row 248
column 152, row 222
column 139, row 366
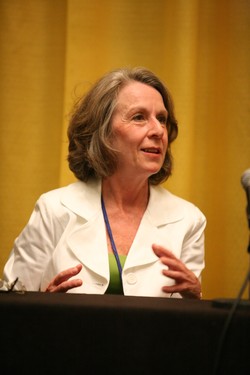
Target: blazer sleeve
column 34, row 246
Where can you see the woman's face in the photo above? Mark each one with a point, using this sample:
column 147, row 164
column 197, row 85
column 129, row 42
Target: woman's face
column 139, row 123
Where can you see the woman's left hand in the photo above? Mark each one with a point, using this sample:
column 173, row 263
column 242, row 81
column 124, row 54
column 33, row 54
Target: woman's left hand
column 186, row 283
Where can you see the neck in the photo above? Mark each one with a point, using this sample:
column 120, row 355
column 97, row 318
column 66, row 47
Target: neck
column 123, row 194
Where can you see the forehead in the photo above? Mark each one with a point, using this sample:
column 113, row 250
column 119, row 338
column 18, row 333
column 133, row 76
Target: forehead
column 138, row 93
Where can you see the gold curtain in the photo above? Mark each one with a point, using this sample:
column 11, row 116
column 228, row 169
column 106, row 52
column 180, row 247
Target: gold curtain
column 53, row 50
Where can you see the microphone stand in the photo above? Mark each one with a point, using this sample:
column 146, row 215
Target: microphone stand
column 229, row 303
column 232, row 305
column 248, row 250
column 238, row 302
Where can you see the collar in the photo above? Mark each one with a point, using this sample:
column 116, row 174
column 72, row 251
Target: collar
column 84, row 199
column 164, row 207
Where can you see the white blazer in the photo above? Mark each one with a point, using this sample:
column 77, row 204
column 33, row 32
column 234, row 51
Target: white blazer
column 67, row 228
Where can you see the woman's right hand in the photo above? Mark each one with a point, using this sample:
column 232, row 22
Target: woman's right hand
column 63, row 282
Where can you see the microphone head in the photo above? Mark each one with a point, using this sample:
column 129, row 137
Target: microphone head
column 245, row 179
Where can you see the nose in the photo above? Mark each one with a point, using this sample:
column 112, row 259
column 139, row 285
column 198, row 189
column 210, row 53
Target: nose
column 156, row 128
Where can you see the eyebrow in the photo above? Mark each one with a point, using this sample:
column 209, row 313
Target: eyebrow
column 141, row 108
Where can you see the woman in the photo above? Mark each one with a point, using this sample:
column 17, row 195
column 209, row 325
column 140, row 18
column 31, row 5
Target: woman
column 115, row 230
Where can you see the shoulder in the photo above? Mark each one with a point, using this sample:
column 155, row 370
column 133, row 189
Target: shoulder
column 55, row 196
column 77, row 197
column 76, row 189
column 171, row 207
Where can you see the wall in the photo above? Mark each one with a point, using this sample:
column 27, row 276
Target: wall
column 53, row 50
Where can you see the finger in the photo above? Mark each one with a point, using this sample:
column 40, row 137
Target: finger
column 174, row 288
column 63, row 276
column 175, row 275
column 181, row 276
column 66, row 285
column 174, row 264
column 188, row 285
column 185, row 290
column 161, row 251
column 170, row 263
column 67, row 274
column 168, row 258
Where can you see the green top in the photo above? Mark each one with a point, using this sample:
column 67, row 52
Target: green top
column 115, row 285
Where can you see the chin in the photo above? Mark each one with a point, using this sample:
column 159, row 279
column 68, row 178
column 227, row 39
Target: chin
column 155, row 169
column 151, row 172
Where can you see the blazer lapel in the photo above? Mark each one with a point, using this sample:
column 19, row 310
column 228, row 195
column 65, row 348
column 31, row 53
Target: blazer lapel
column 87, row 239
column 161, row 211
column 89, row 245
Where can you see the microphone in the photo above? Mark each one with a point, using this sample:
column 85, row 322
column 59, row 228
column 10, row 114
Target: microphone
column 245, row 181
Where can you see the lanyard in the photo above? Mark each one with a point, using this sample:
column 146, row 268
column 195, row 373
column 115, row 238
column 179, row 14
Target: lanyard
column 111, row 238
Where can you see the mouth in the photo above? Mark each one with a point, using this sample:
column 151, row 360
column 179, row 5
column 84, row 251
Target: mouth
column 152, row 150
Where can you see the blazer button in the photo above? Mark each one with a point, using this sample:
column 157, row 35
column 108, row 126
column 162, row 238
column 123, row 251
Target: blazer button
column 131, row 278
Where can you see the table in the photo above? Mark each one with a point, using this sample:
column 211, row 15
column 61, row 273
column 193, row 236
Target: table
column 112, row 334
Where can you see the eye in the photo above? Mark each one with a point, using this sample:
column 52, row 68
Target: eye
column 162, row 119
column 138, row 117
